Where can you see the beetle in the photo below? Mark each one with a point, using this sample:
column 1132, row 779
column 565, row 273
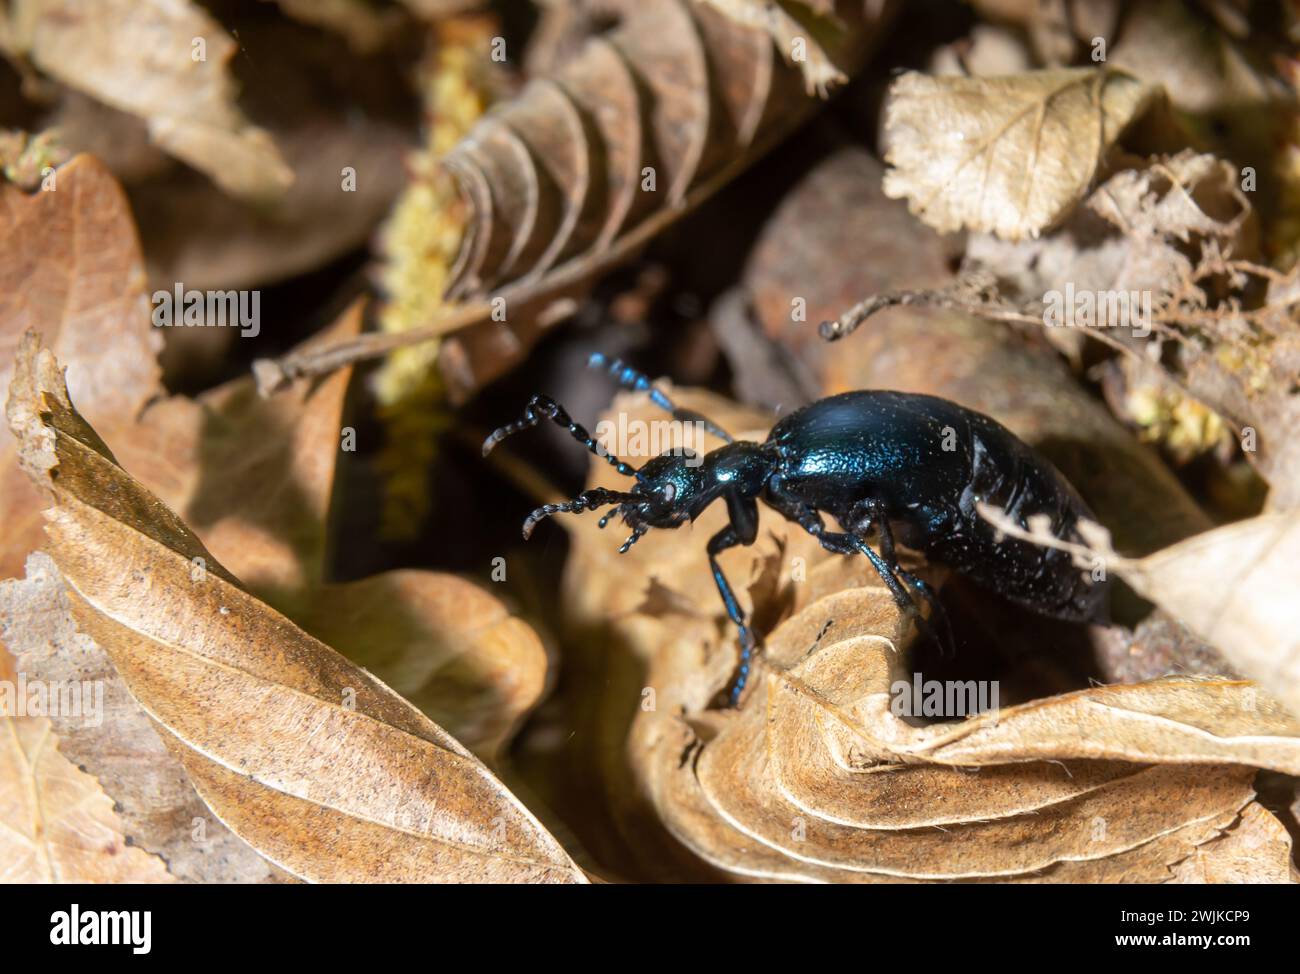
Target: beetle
column 911, row 467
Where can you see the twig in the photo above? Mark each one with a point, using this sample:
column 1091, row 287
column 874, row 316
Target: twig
column 272, row 375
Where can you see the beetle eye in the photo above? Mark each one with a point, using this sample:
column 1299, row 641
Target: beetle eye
column 670, row 492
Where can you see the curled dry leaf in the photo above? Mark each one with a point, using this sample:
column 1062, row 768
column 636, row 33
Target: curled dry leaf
column 1009, row 156
column 188, row 100
column 319, row 766
column 1252, row 613
column 581, row 169
column 794, row 38
column 1255, row 850
column 817, row 779
column 56, row 823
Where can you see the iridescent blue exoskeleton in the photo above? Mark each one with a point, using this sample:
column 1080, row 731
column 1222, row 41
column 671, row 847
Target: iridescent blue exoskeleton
column 909, row 467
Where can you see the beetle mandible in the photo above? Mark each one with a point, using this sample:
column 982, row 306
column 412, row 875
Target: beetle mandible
column 911, row 467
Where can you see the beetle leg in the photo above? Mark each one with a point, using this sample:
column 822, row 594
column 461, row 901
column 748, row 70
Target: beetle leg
column 844, row 543
column 949, row 646
column 741, row 531
column 870, row 512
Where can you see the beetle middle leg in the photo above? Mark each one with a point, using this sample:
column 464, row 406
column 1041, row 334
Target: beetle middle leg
column 862, row 517
column 872, row 511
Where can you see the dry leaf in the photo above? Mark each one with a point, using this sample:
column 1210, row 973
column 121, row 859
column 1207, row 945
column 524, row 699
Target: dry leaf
column 158, row 807
column 188, row 100
column 1009, row 156
column 1255, row 850
column 1178, row 233
column 316, row 764
column 1235, row 586
column 816, row 778
column 794, row 38
column 444, row 644
column 580, row 170
column 56, row 823
column 71, row 269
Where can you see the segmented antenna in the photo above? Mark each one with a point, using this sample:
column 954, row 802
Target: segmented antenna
column 544, row 407
column 631, row 378
column 588, row 500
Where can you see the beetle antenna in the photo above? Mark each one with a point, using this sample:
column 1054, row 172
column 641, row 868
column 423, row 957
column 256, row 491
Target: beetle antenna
column 632, row 539
column 588, row 500
column 631, row 378
column 544, row 407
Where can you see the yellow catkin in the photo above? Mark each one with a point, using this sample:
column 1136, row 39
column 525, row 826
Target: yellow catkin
column 420, row 242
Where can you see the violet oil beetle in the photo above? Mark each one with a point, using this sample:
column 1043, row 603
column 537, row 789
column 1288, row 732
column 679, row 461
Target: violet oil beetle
column 909, row 467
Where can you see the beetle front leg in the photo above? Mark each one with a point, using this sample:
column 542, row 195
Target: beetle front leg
column 742, row 530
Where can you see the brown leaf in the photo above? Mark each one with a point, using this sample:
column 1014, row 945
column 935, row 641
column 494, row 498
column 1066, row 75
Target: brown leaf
column 253, row 476
column 557, row 178
column 1255, row 850
column 1011, row 155
column 315, row 763
column 71, row 270
column 147, row 783
column 444, row 644
column 1251, row 616
column 56, row 823
column 812, row 769
column 187, row 100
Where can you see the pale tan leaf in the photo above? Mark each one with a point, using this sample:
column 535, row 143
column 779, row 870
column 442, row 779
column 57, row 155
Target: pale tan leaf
column 1235, row 587
column 311, row 760
column 56, row 823
column 155, row 801
column 444, row 644
column 1257, row 849
column 1009, row 155
column 140, row 56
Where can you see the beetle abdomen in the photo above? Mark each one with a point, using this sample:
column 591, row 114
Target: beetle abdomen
column 929, row 461
column 1007, row 474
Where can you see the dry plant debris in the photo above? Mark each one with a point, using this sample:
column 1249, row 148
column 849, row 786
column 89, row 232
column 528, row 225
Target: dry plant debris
column 265, row 615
